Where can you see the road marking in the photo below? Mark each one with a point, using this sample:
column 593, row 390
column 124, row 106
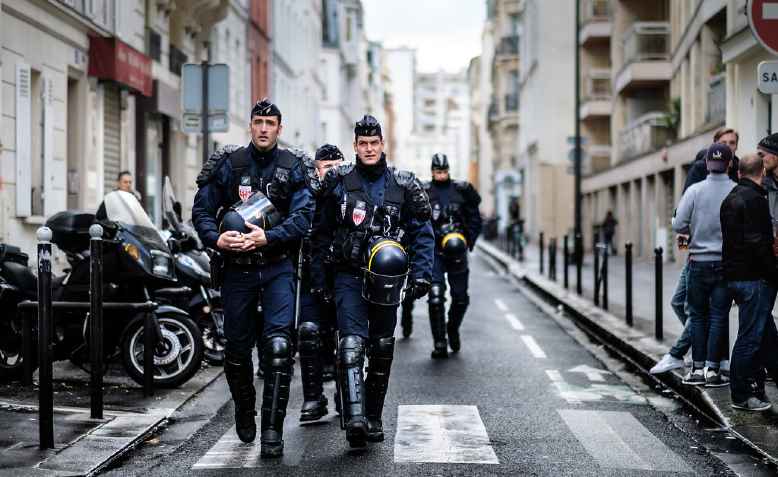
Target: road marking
column 559, row 382
column 500, row 304
column 596, row 392
column 593, row 374
column 617, row 440
column 515, row 323
column 533, row 346
column 442, row 434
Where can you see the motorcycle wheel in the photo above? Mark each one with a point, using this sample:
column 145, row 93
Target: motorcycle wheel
column 214, row 343
column 11, row 359
column 177, row 357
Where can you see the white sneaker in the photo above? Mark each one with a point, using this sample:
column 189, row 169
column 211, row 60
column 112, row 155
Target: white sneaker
column 667, row 363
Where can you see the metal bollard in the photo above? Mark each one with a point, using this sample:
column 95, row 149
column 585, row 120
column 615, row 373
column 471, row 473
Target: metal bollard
column 658, row 325
column 45, row 388
column 578, row 264
column 628, row 274
column 551, row 264
column 149, row 343
column 596, row 274
column 542, row 245
column 96, row 320
column 565, row 262
column 605, row 277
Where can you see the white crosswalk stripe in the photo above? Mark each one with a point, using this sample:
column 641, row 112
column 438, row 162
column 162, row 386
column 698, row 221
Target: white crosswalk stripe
column 500, row 304
column 533, row 346
column 514, row 322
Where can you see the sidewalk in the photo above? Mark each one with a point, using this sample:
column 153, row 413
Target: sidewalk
column 83, row 445
column 758, row 430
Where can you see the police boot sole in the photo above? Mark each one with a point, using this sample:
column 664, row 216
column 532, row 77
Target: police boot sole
column 356, row 435
column 247, row 435
column 271, row 449
column 376, row 436
column 313, row 414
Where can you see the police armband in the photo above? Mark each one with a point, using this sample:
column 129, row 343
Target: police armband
column 214, row 162
column 419, row 200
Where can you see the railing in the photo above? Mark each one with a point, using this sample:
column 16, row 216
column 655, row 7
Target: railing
column 647, row 41
column 645, row 134
column 717, row 99
column 595, row 10
column 598, row 84
column 511, row 102
column 509, row 45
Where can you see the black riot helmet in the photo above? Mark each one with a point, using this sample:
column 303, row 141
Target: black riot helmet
column 440, row 161
column 454, row 248
column 328, row 152
column 257, row 210
column 384, row 276
column 368, row 126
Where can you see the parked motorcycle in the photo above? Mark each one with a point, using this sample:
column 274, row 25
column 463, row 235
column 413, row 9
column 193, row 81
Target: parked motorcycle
column 137, row 266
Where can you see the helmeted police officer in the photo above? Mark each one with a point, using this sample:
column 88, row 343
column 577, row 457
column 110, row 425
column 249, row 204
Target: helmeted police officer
column 370, row 214
column 253, row 205
column 317, row 309
column 457, row 224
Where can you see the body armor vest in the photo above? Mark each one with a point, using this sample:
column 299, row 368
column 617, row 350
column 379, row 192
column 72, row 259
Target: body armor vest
column 275, row 182
column 450, row 216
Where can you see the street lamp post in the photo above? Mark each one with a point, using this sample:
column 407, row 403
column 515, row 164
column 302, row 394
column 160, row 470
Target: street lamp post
column 577, row 164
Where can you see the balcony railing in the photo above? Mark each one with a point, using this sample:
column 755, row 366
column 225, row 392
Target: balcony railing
column 598, row 84
column 717, row 99
column 647, row 41
column 509, row 45
column 643, row 135
column 595, row 10
column 511, row 102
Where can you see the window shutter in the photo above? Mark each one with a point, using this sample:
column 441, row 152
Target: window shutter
column 54, row 173
column 23, row 141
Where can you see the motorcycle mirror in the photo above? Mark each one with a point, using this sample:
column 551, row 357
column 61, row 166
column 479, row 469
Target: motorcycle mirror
column 172, row 244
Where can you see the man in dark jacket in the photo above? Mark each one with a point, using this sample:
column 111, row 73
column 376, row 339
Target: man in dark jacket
column 749, row 268
column 698, row 172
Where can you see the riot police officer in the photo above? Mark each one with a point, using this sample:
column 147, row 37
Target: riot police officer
column 317, row 310
column 457, row 224
column 253, row 205
column 371, row 214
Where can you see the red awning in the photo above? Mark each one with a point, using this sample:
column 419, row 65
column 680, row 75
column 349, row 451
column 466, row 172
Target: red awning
column 112, row 59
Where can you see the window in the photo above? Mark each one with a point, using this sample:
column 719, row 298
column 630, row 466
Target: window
column 154, row 44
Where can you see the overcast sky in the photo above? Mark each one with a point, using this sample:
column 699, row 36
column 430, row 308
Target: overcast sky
column 445, row 33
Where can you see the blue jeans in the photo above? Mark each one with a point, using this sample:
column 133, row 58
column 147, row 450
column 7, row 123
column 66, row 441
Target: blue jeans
column 757, row 338
column 357, row 316
column 709, row 302
column 678, row 302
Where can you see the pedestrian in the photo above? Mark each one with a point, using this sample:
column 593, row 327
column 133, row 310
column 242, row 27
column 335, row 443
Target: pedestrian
column 317, row 309
column 698, row 171
column 371, row 214
column 707, row 295
column 456, row 222
column 609, row 230
column 768, row 151
column 266, row 209
column 749, row 267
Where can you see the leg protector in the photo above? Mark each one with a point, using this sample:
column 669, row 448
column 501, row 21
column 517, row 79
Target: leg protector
column 240, row 379
column 438, row 320
column 455, row 316
column 314, row 402
column 328, row 347
column 407, row 317
column 275, row 395
column 380, row 354
column 351, row 389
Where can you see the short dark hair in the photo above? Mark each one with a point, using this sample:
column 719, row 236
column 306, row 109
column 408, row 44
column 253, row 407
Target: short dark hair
column 722, row 131
column 122, row 174
column 751, row 165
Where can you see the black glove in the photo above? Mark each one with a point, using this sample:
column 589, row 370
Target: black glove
column 323, row 296
column 418, row 288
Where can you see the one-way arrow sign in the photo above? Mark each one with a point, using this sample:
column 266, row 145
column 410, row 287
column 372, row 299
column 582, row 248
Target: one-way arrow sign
column 593, row 374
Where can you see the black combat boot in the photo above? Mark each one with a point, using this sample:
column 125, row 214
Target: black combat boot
column 351, row 389
column 314, row 402
column 275, row 395
column 438, row 326
column 455, row 316
column 240, row 379
column 407, row 317
column 380, row 355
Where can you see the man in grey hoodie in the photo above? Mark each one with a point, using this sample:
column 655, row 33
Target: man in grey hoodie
column 707, row 294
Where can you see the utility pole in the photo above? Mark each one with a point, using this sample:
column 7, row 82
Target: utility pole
column 577, row 164
column 204, row 119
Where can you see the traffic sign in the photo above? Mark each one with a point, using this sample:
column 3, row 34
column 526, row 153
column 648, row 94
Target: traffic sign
column 767, row 77
column 192, row 97
column 763, row 20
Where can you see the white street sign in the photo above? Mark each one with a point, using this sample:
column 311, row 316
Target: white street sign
column 767, row 74
column 192, row 97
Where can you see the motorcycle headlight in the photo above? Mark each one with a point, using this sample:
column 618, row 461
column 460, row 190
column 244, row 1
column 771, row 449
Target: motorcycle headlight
column 161, row 264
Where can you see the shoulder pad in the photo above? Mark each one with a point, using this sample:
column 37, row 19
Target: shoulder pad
column 309, row 172
column 468, row 191
column 334, row 176
column 289, row 158
column 214, row 162
column 343, row 169
column 404, row 178
column 427, row 185
column 419, row 200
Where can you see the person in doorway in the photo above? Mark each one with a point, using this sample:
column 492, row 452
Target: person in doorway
column 609, row 230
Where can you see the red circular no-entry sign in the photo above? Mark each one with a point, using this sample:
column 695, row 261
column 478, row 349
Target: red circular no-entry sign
column 763, row 19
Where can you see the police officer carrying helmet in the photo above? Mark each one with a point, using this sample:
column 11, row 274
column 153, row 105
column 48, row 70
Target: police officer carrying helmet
column 317, row 309
column 253, row 205
column 457, row 224
column 371, row 214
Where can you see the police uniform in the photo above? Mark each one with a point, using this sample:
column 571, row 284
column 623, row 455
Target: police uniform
column 454, row 214
column 361, row 203
column 263, row 276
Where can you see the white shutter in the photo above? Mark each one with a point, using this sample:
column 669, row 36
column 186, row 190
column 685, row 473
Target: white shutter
column 54, row 173
column 23, row 141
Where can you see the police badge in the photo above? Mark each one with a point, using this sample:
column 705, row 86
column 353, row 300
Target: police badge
column 244, row 189
column 435, row 211
column 359, row 213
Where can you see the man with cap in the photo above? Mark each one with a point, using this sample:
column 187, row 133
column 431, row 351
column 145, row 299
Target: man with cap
column 707, row 295
column 317, row 309
column 455, row 218
column 371, row 213
column 257, row 267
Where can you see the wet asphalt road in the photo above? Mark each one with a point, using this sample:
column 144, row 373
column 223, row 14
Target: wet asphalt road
column 522, row 398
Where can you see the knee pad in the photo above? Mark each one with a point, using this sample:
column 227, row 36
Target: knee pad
column 351, row 350
column 382, row 347
column 437, row 294
column 277, row 352
column 309, row 337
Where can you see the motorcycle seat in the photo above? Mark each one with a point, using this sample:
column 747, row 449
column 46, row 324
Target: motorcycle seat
column 171, row 292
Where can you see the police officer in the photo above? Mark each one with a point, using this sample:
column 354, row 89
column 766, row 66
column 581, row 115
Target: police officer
column 457, row 224
column 370, row 214
column 317, row 310
column 257, row 266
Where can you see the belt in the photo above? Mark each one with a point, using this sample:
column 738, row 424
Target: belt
column 254, row 258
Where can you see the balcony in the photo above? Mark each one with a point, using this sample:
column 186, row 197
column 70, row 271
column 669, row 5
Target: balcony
column 717, row 100
column 596, row 94
column 511, row 103
column 596, row 159
column 643, row 135
column 646, row 57
column 595, row 22
column 508, row 46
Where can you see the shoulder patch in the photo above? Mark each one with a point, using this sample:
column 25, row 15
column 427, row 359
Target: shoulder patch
column 214, row 163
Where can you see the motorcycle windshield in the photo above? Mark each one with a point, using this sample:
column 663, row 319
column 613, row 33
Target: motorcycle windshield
column 169, row 199
column 123, row 208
